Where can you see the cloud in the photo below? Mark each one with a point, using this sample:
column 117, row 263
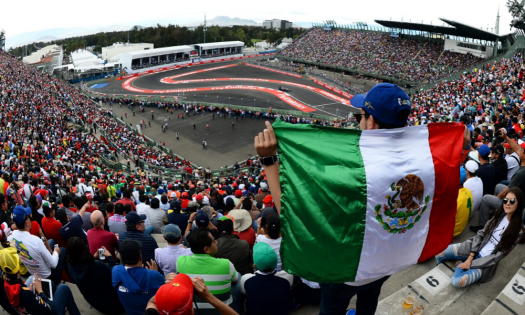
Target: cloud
column 33, row 15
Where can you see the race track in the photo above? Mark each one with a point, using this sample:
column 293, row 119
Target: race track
column 235, row 84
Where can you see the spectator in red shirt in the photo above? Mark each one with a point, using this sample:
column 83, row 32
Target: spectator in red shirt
column 184, row 197
column 242, row 226
column 51, row 226
column 126, row 200
column 98, row 237
column 516, row 126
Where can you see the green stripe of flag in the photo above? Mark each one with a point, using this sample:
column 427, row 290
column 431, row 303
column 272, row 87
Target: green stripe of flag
column 324, row 199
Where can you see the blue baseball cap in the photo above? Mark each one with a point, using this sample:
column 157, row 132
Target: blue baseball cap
column 133, row 218
column 484, row 151
column 387, row 102
column 20, row 214
column 202, row 219
column 462, row 175
column 176, row 204
column 171, row 232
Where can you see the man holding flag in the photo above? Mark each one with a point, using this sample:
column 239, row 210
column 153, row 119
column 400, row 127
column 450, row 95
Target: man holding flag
column 381, row 222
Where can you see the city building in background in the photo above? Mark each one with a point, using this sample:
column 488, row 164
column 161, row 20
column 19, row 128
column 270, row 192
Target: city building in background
column 277, row 24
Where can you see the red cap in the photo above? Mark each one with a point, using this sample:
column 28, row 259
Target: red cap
column 184, row 195
column 43, row 192
column 507, row 145
column 175, row 297
column 238, row 193
column 199, row 197
column 268, row 201
column 82, row 180
column 480, row 138
column 234, row 185
column 89, row 195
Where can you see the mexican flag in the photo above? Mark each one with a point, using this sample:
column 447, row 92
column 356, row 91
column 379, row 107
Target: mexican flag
column 359, row 205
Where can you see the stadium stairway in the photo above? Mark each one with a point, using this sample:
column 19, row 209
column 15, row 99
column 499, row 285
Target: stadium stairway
column 511, row 298
column 420, row 51
column 439, row 58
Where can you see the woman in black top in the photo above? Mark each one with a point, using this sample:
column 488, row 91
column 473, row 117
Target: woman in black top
column 93, row 276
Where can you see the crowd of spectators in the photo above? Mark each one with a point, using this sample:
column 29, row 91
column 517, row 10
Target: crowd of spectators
column 401, row 58
column 224, row 232
column 54, row 190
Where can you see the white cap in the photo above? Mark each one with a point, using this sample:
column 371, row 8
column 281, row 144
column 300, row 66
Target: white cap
column 264, row 186
column 471, row 166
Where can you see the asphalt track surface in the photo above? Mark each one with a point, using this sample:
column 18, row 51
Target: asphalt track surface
column 226, row 145
column 319, row 103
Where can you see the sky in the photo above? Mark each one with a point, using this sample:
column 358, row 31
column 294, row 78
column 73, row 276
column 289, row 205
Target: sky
column 30, row 15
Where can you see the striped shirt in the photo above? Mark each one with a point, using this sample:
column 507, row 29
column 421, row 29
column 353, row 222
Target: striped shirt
column 217, row 274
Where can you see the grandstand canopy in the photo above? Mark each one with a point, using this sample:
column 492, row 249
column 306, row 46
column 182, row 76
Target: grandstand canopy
column 220, row 45
column 455, row 29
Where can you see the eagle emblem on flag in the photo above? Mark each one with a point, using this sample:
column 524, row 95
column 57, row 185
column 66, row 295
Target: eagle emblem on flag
column 408, row 194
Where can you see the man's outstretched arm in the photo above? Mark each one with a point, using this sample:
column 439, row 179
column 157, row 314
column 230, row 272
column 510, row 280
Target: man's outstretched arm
column 266, row 145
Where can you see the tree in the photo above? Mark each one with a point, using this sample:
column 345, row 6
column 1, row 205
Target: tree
column 240, row 34
column 213, row 32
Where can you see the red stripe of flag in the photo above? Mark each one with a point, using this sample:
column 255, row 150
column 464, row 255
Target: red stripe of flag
column 446, row 142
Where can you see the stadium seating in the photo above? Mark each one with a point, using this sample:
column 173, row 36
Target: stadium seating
column 408, row 59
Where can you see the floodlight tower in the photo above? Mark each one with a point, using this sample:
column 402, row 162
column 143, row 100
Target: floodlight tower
column 496, row 29
column 2, row 40
column 204, row 28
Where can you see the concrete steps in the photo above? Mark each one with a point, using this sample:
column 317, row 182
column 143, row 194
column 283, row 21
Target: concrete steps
column 511, row 298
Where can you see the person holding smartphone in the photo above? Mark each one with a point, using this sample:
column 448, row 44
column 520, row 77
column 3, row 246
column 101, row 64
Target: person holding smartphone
column 33, row 300
column 34, row 254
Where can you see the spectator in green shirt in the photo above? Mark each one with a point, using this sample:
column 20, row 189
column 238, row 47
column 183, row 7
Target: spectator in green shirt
column 218, row 274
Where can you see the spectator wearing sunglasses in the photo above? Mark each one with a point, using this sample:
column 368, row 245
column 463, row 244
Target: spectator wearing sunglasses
column 479, row 256
column 491, row 202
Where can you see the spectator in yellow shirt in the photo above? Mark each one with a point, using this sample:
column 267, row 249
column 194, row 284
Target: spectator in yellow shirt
column 465, row 204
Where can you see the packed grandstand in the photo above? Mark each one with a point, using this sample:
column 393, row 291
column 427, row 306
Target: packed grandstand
column 124, row 236
column 409, row 59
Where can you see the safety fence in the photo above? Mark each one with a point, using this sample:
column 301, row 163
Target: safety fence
column 275, row 109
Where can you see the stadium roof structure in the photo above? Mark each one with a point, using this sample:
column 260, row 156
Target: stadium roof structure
column 221, row 45
column 455, row 29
